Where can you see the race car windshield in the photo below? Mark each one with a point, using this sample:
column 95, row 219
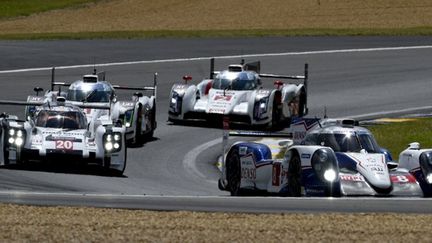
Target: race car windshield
column 344, row 142
column 236, row 84
column 96, row 96
column 70, row 120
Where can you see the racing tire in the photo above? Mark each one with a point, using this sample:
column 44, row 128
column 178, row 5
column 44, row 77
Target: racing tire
column 233, row 171
column 276, row 115
column 138, row 125
column 294, row 177
column 153, row 125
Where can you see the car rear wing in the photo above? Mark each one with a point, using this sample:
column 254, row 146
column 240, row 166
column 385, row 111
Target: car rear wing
column 101, row 77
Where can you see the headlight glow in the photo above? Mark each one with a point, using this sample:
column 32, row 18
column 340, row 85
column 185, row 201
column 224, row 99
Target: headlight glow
column 11, row 140
column 19, row 133
column 116, row 137
column 429, row 178
column 116, row 146
column 173, row 100
column 19, row 141
column 11, row 132
column 109, row 138
column 127, row 124
column 109, row 146
column 330, row 175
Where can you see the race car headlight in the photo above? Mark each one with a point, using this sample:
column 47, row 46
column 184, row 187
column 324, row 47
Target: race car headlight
column 426, row 165
column 325, row 165
column 175, row 103
column 261, row 107
column 112, row 142
column 429, row 178
column 330, row 175
column 16, row 137
column 128, row 117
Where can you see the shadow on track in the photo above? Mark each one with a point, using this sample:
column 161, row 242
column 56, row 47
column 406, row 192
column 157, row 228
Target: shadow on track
column 65, row 168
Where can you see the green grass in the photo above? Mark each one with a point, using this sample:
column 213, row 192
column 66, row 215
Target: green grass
column 418, row 31
column 17, row 8
column 396, row 136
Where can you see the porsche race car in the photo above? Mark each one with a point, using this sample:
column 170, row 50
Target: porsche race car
column 60, row 133
column 138, row 115
column 238, row 93
column 418, row 162
column 334, row 158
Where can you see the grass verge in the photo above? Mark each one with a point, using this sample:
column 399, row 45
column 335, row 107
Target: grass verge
column 396, row 136
column 417, row 31
column 14, row 8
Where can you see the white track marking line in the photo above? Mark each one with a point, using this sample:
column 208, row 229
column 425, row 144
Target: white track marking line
column 224, row 57
column 384, row 113
column 190, row 159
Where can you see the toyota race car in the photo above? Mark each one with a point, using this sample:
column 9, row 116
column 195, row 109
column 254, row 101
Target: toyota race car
column 419, row 163
column 60, row 133
column 237, row 92
column 334, row 158
column 138, row 115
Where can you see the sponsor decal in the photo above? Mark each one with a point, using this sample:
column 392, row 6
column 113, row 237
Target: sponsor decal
column 217, row 110
column 248, row 170
column 127, row 103
column 351, row 178
column 222, row 98
column 403, row 179
column 305, row 156
column 263, row 92
column 242, row 150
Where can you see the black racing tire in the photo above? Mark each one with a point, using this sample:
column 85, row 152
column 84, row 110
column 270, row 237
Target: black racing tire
column 153, row 125
column 294, row 176
column 233, row 171
column 138, row 131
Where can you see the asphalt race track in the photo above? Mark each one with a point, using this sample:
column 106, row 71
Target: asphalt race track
column 360, row 77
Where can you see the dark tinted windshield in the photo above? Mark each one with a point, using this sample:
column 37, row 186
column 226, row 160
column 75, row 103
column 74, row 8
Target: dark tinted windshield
column 58, row 119
column 339, row 142
column 98, row 96
column 236, row 84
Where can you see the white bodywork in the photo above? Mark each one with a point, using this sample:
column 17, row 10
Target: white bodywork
column 80, row 144
column 138, row 115
column 248, row 103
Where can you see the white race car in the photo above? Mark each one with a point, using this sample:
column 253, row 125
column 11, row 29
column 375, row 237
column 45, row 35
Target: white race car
column 237, row 92
column 335, row 158
column 60, row 133
column 138, row 115
column 419, row 163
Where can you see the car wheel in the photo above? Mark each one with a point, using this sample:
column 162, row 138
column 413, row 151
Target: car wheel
column 233, row 173
column 276, row 114
column 294, row 177
column 152, row 119
column 138, row 126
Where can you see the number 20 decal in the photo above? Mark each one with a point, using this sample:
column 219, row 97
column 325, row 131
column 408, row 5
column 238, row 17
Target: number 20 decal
column 60, row 144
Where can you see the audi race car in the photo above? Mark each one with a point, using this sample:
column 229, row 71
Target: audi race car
column 238, row 93
column 419, row 163
column 61, row 133
column 138, row 115
column 334, row 158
